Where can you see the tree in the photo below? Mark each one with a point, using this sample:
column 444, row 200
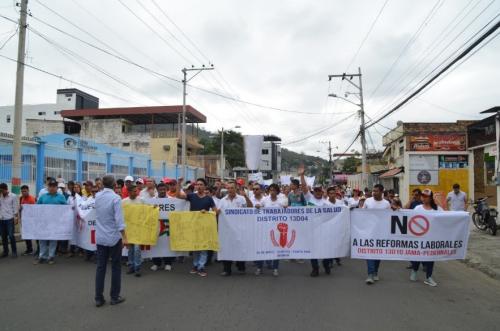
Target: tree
column 233, row 147
column 350, row 164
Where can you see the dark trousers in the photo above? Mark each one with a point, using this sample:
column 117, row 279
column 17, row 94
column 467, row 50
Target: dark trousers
column 103, row 255
column 429, row 267
column 7, row 231
column 167, row 260
column 29, row 246
column 240, row 265
column 327, row 263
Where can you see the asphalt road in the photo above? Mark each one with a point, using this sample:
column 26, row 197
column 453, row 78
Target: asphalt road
column 60, row 297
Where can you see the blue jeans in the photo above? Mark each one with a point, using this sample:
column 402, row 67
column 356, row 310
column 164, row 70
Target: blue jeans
column 103, row 254
column 47, row 249
column 274, row 264
column 199, row 259
column 372, row 266
column 428, row 265
column 7, row 233
column 134, row 258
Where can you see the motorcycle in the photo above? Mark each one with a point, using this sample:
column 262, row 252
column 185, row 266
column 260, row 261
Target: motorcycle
column 484, row 217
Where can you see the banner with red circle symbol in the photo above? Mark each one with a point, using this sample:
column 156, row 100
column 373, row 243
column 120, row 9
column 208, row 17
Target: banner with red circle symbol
column 409, row 235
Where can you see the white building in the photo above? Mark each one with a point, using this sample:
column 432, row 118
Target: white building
column 66, row 99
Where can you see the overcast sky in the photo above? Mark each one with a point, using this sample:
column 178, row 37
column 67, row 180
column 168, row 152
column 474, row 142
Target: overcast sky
column 274, row 53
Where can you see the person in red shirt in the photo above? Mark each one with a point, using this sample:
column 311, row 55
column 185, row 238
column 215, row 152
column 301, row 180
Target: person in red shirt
column 27, row 199
column 128, row 182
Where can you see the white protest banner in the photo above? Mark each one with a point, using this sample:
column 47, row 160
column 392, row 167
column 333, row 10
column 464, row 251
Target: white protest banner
column 268, row 182
column 47, row 222
column 84, row 227
column 409, row 235
column 162, row 247
column 256, row 177
column 253, row 150
column 310, row 180
column 249, row 234
column 285, row 180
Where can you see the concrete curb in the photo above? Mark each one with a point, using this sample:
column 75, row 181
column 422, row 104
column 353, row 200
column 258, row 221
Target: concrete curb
column 475, row 262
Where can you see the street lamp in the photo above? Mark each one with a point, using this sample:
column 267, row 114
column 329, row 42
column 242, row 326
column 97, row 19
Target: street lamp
column 222, row 159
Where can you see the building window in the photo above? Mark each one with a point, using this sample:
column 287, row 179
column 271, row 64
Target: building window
column 57, row 112
column 41, row 113
column 8, row 118
column 401, row 150
column 265, row 151
column 125, row 144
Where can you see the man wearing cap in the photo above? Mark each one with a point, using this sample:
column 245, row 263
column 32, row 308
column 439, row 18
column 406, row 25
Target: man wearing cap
column 128, row 181
column 139, row 183
column 48, row 247
column 150, row 190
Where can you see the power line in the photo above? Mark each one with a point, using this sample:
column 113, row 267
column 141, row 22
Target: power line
column 8, row 39
column 318, row 132
column 437, row 56
column 437, row 41
column 443, row 70
column 71, row 81
column 142, row 67
column 367, row 35
column 415, row 36
column 93, row 65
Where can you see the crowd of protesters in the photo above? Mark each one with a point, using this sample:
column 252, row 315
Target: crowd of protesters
column 202, row 197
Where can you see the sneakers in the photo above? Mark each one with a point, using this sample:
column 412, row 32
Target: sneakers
column 202, row 273
column 154, row 267
column 375, row 277
column 258, row 272
column 39, row 261
column 137, row 274
column 26, row 253
column 117, row 301
column 413, row 276
column 168, row 267
column 328, row 270
column 370, row 280
column 225, row 274
column 429, row 281
column 130, row 271
column 275, row 273
column 194, row 271
column 315, row 273
column 51, row 261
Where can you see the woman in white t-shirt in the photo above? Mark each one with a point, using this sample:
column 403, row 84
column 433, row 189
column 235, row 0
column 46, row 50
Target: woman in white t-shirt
column 428, row 205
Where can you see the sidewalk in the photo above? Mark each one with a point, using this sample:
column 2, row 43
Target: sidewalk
column 484, row 252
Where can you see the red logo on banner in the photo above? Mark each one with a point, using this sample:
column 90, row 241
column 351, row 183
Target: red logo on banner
column 418, row 225
column 283, row 240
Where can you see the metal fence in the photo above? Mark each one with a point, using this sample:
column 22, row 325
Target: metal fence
column 77, row 164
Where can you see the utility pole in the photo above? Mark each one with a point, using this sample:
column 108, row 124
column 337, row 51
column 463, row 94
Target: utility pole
column 184, row 94
column 18, row 104
column 361, row 111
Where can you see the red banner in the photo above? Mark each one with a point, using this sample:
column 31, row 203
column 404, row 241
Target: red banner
column 434, row 142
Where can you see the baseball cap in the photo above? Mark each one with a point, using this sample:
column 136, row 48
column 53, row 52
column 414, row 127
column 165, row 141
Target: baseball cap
column 52, row 182
column 129, row 178
column 140, row 180
column 427, row 192
column 61, row 185
column 317, row 187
